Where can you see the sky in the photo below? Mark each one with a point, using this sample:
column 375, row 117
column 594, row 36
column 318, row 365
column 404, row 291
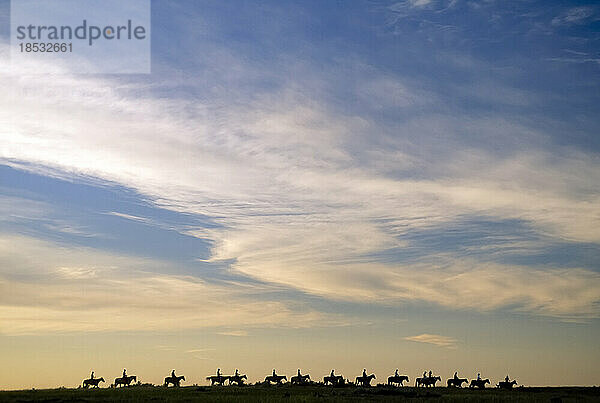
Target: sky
column 309, row 184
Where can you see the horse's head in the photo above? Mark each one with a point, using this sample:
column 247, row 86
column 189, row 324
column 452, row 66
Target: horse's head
column 182, row 378
column 486, row 381
column 101, row 380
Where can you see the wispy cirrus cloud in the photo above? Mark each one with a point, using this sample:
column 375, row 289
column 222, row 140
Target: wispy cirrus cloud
column 200, row 350
column 234, row 333
column 291, row 180
column 51, row 288
column 435, row 339
column 129, row 216
column 574, row 15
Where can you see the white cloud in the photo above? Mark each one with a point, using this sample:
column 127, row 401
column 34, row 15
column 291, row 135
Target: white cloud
column 410, row 3
column 435, row 339
column 448, row 281
column 200, row 350
column 420, row 3
column 234, row 333
column 129, row 216
column 575, row 15
column 46, row 288
column 300, row 199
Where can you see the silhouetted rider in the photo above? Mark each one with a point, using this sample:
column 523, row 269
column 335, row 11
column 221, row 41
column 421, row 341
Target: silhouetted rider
column 299, row 372
column 218, row 371
column 478, row 376
column 364, row 372
column 430, row 374
column 124, row 373
column 173, row 374
column 396, row 373
column 332, row 373
column 507, row 378
column 92, row 376
column 456, row 375
column 424, row 374
column 236, row 372
column 274, row 374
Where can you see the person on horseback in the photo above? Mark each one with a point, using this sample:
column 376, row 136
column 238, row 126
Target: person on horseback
column 236, row 372
column 364, row 372
column 507, row 379
column 124, row 373
column 424, row 374
column 478, row 376
column 430, row 373
column 92, row 376
column 396, row 373
column 274, row 374
column 218, row 371
column 332, row 373
column 173, row 374
column 299, row 372
column 455, row 375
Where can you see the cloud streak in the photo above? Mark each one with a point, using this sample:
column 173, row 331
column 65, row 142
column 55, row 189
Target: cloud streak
column 435, row 339
column 300, row 200
column 49, row 288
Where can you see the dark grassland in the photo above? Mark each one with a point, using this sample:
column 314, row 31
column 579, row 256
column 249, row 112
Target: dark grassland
column 286, row 393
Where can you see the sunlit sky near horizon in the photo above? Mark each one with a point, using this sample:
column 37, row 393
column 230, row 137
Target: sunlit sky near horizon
column 310, row 184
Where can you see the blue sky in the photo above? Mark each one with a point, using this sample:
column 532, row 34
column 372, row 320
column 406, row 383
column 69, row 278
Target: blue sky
column 423, row 173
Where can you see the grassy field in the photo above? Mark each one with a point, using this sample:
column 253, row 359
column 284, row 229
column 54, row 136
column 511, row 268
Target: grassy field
column 287, row 393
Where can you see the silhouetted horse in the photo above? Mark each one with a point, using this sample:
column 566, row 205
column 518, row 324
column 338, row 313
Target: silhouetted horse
column 300, row 380
column 92, row 382
column 125, row 381
column 218, row 379
column 364, row 380
column 239, row 379
column 456, row 382
column 335, row 380
column 275, row 379
column 175, row 380
column 428, row 381
column 478, row 383
column 506, row 385
column 397, row 379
